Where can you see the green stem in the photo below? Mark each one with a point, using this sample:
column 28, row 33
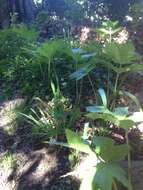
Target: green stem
column 129, row 164
column 116, row 83
column 80, row 91
column 76, row 83
column 117, row 80
column 115, row 185
column 92, row 85
column 115, row 92
column 108, row 74
column 108, row 82
column 110, row 36
column 49, row 69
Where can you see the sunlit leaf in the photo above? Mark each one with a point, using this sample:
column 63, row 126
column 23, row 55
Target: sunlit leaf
column 97, row 109
column 126, row 124
column 82, row 72
column 133, row 98
column 121, row 111
column 121, row 53
column 77, row 142
column 106, row 149
column 104, row 116
column 103, row 176
column 103, row 96
column 106, row 174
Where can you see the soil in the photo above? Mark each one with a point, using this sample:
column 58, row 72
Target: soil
column 37, row 167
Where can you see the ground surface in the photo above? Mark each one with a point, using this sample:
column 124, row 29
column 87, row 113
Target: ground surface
column 34, row 167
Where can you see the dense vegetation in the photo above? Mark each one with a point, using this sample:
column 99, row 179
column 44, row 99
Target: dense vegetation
column 65, row 78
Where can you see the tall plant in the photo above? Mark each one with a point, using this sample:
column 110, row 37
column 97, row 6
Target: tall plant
column 118, row 59
column 119, row 117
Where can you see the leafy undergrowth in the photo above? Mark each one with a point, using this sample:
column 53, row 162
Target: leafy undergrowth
column 77, row 98
column 28, row 164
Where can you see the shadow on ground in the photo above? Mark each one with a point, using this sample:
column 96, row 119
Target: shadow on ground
column 37, row 167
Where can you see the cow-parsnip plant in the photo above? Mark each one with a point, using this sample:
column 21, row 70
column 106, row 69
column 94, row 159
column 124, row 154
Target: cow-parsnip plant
column 107, row 171
column 108, row 30
column 118, row 60
column 52, row 56
column 120, row 117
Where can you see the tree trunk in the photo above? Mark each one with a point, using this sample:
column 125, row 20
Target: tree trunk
column 24, row 9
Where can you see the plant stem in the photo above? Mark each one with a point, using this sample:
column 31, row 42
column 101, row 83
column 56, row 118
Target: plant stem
column 129, row 164
column 92, row 85
column 116, row 83
column 108, row 74
column 115, row 185
column 49, row 69
column 108, row 82
column 76, row 83
column 110, row 36
column 80, row 91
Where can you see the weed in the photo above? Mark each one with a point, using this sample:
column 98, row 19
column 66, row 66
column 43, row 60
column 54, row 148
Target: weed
column 8, row 161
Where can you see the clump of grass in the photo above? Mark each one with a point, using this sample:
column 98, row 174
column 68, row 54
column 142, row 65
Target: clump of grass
column 8, row 161
column 14, row 118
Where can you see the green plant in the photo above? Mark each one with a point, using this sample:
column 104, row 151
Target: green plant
column 15, row 62
column 52, row 58
column 106, row 171
column 8, row 161
column 108, row 30
column 117, row 59
column 120, row 117
column 52, row 117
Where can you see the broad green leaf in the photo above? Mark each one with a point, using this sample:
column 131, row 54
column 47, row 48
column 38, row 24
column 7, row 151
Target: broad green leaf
column 82, row 72
column 102, row 141
column 133, row 98
column 97, row 109
column 121, row 111
column 51, row 49
column 103, row 96
column 93, row 47
column 104, row 116
column 106, row 174
column 119, row 152
column 78, row 143
column 126, row 124
column 106, row 149
column 130, row 68
column 121, row 53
